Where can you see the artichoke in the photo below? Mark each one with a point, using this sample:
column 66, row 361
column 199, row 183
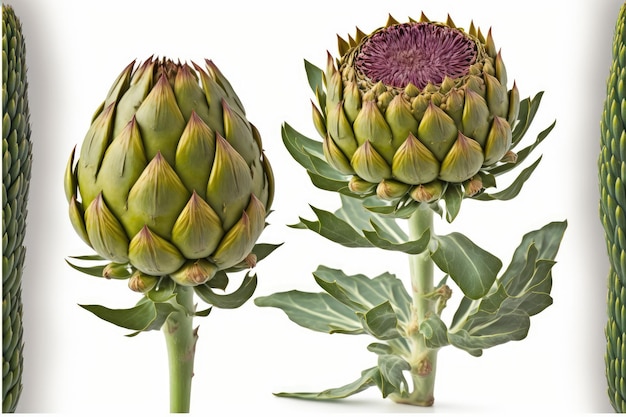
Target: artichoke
column 611, row 163
column 171, row 179
column 414, row 118
column 414, row 107
column 16, row 172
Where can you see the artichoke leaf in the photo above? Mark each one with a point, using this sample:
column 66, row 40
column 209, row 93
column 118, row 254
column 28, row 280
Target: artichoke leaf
column 362, row 294
column 228, row 301
column 383, row 240
column 334, row 228
column 453, row 198
column 94, row 257
column 95, row 271
column 400, row 210
column 260, row 252
column 369, row 378
column 522, row 291
column 472, row 268
column 163, row 311
column 513, row 189
column 362, row 218
column 435, row 332
column 310, row 154
column 302, row 148
column 220, row 280
column 547, row 240
column 315, row 77
column 144, row 316
column 380, row 348
column 501, row 329
column 527, row 110
column 327, row 184
column 523, row 153
column 70, row 184
column 526, row 283
column 315, row 311
column 163, row 291
column 322, row 168
column 391, row 369
column 381, row 321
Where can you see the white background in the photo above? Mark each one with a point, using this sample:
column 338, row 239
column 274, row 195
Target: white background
column 75, row 363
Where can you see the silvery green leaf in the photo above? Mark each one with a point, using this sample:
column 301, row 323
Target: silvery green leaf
column 547, row 241
column 381, row 322
column 315, row 311
column 301, row 148
column 527, row 110
column 94, row 257
column 228, row 301
column 94, row 271
column 522, row 291
column 453, row 198
column 335, row 229
column 219, row 281
column 512, row 190
column 391, row 368
column 354, row 212
column 329, row 184
column 260, row 250
column 361, row 293
column 369, row 378
column 501, row 328
column 380, row 348
column 383, row 240
column 472, row 268
column 435, row 332
column 316, row 79
column 144, row 316
column 163, row 291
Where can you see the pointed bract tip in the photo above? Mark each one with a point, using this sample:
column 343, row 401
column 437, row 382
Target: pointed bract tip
column 450, row 22
column 391, row 21
column 342, row 45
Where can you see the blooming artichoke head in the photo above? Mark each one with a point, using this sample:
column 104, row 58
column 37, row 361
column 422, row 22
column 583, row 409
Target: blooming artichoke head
column 414, row 107
column 171, row 178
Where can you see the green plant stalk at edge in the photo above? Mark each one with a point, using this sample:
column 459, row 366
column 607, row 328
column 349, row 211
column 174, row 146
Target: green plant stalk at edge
column 423, row 359
column 180, row 338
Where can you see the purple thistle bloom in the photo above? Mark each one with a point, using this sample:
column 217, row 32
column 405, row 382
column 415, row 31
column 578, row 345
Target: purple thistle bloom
column 417, row 53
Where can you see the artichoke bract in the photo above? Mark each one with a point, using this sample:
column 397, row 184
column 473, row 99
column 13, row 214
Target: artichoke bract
column 172, row 179
column 413, row 107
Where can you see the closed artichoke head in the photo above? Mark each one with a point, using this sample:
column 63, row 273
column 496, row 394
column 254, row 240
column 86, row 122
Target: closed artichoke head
column 167, row 171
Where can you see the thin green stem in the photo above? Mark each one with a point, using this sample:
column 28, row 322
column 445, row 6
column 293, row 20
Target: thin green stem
column 180, row 338
column 422, row 358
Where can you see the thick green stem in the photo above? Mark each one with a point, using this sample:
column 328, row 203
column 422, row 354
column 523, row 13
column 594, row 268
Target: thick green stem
column 180, row 338
column 421, row 265
column 422, row 359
